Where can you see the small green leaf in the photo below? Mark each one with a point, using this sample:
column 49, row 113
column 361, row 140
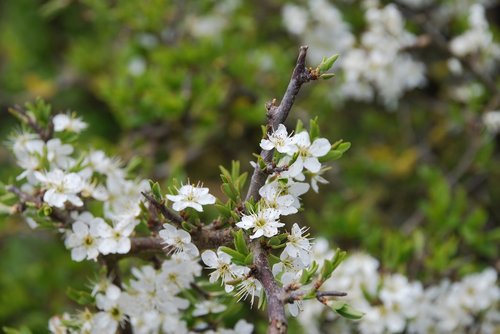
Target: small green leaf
column 327, row 63
column 299, row 127
column 348, row 312
column 249, row 259
column 22, row 330
column 240, row 243
column 327, row 76
column 156, row 190
column 237, row 256
column 81, row 297
column 314, row 128
column 344, row 146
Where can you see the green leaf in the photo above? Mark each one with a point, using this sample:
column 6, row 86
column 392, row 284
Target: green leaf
column 237, row 256
column 240, row 243
column 314, row 128
column 327, row 63
column 299, row 127
column 344, row 146
column 22, row 330
column 224, row 209
column 249, row 259
column 347, row 311
column 81, row 297
column 327, row 76
column 156, row 190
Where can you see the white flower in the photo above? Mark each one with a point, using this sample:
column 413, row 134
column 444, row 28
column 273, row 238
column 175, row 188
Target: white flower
column 279, row 139
column 83, row 240
column 288, row 264
column 61, row 188
column 315, row 179
column 241, row 327
column 298, row 245
column 491, row 121
column 263, row 223
column 179, row 240
column 249, row 287
column 308, row 153
column 207, row 307
column 273, row 198
column 66, row 122
column 116, row 239
column 223, row 268
column 58, row 153
column 191, row 196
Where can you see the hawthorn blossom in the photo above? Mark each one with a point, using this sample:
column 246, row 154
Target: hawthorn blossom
column 208, row 307
column 223, row 268
column 278, row 139
column 66, row 122
column 317, row 178
column 272, row 198
column 84, row 240
column 288, row 264
column 263, row 223
column 112, row 312
column 298, row 245
column 115, row 240
column 191, row 196
column 241, row 327
column 61, row 188
column 178, row 239
column 308, row 153
column 250, row 286
column 59, row 154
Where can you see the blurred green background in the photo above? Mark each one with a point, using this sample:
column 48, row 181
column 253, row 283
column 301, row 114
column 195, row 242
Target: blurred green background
column 419, row 188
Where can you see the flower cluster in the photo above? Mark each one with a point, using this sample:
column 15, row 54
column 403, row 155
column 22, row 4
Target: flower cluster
column 280, row 194
column 377, row 63
column 380, row 62
column 152, row 301
column 52, row 168
column 394, row 304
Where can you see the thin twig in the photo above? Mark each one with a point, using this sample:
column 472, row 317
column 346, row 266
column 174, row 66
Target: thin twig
column 165, row 211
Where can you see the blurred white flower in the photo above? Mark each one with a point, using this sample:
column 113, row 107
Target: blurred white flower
column 67, row 122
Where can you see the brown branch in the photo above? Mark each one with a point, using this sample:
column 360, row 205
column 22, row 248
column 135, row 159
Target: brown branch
column 299, row 295
column 274, row 293
column 44, row 133
column 276, row 115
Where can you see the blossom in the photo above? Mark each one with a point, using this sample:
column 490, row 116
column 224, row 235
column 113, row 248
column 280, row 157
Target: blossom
column 491, row 120
column 250, row 286
column 308, row 153
column 61, row 188
column 84, row 240
column 191, row 196
column 66, row 122
column 207, row 307
column 263, row 223
column 273, row 198
column 223, row 268
column 116, row 239
column 179, row 240
column 58, row 153
column 241, row 327
column 298, row 245
column 279, row 139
